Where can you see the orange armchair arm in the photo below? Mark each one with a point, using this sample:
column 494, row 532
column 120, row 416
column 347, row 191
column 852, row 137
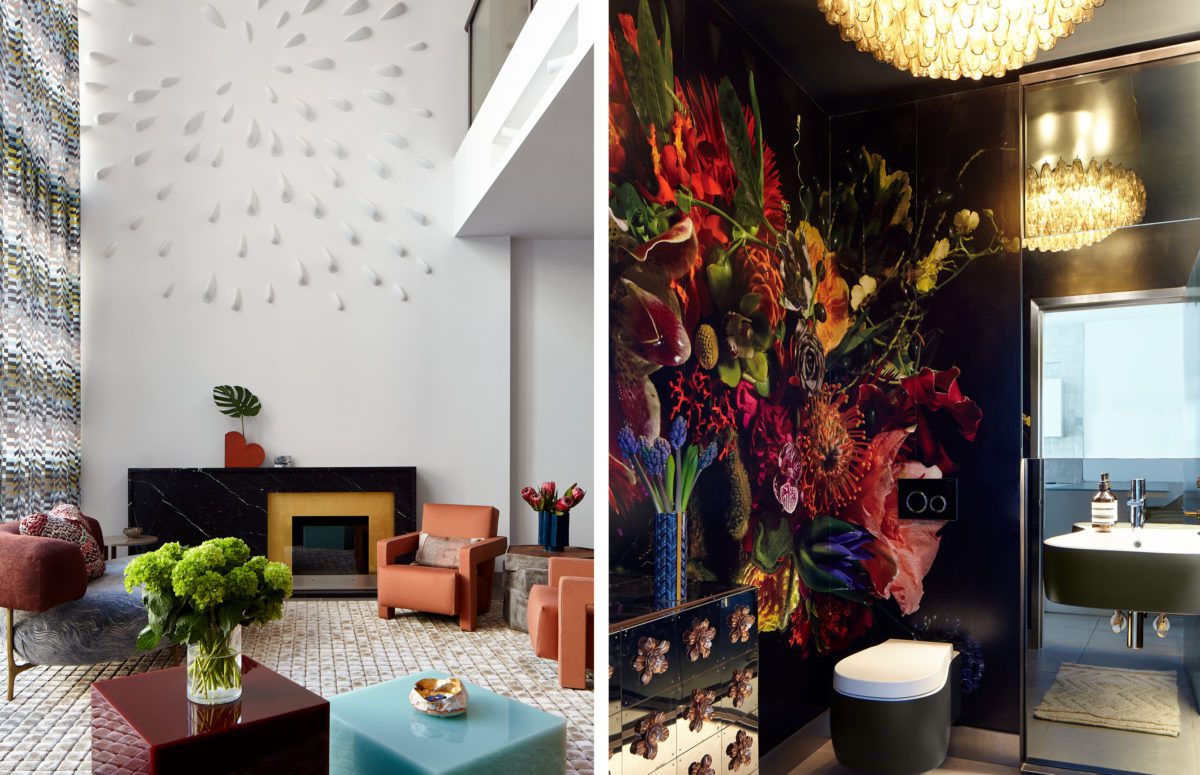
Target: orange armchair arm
column 569, row 566
column 473, row 555
column 387, row 550
column 576, row 609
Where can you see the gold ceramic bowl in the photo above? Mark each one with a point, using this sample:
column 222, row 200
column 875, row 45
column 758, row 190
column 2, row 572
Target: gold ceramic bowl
column 442, row 697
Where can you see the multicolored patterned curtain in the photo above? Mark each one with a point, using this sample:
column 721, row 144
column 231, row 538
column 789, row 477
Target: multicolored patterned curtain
column 39, row 233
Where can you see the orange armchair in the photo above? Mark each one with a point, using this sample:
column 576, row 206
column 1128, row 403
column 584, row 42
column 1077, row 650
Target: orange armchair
column 562, row 619
column 465, row 591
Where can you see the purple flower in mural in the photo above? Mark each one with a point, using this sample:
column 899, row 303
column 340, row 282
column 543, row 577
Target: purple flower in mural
column 786, row 491
column 654, row 455
column 627, row 443
column 833, row 552
column 708, row 455
column 679, row 431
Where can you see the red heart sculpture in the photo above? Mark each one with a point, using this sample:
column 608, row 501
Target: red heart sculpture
column 239, row 454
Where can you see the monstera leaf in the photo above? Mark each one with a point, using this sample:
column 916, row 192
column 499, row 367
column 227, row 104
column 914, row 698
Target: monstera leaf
column 236, row 401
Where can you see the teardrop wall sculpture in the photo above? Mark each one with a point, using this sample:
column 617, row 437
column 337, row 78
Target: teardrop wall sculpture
column 168, row 81
column 380, row 96
column 358, row 6
column 372, row 276
column 295, row 40
column 210, row 290
column 243, row 248
column 331, row 261
column 142, row 157
column 362, row 33
column 193, row 124
column 213, row 16
column 419, row 45
column 167, row 290
column 111, row 249
column 269, row 294
column 276, row 236
column 224, row 88
column 397, row 140
column 140, row 40
column 164, row 192
column 310, row 6
column 373, row 211
column 351, row 233
column 237, row 299
column 214, row 215
column 338, row 304
column 164, row 248
column 389, row 71
column 302, row 272
column 324, row 63
column 398, row 289
column 142, row 124
column 192, row 153
column 285, row 189
column 391, row 13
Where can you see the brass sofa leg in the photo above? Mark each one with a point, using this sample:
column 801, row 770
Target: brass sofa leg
column 13, row 667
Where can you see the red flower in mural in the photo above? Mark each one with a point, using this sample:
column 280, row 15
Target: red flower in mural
column 771, row 428
column 841, row 622
column 703, row 403
column 832, row 452
column 759, row 271
column 904, row 551
column 915, row 403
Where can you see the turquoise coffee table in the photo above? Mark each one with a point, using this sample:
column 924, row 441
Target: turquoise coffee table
column 376, row 730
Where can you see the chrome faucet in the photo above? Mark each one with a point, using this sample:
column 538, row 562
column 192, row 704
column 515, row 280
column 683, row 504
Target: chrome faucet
column 1137, row 503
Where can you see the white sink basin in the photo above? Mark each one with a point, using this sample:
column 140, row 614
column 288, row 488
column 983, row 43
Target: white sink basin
column 1152, row 569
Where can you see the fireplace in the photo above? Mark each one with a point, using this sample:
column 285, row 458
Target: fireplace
column 330, row 546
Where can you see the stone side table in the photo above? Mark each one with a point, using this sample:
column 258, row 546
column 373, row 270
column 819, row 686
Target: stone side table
column 525, row 566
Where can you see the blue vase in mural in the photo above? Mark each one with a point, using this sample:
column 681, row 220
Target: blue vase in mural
column 670, row 559
column 554, row 530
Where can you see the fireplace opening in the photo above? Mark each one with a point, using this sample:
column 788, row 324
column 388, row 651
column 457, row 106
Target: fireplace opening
column 330, row 546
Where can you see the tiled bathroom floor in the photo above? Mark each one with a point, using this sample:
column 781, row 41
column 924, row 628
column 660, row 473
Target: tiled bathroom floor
column 1089, row 640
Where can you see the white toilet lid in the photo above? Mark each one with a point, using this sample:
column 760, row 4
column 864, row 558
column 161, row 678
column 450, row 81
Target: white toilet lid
column 894, row 670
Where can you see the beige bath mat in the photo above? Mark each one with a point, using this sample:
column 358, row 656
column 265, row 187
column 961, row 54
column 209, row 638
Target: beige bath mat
column 1113, row 697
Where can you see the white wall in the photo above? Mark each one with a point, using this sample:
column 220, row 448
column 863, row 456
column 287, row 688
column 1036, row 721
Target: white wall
column 419, row 381
column 552, row 379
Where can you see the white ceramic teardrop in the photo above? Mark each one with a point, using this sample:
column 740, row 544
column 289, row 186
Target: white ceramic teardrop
column 302, row 272
column 214, row 215
column 285, row 189
column 419, row 45
column 164, row 248
column 421, row 161
column 304, row 109
column 142, row 124
column 338, row 304
column 418, row 216
column 295, row 40
column 252, row 203
column 341, row 103
column 141, row 157
column 379, row 167
column 164, row 192
column 324, row 63
column 224, row 87
column 335, row 148
column 100, row 58
column 362, row 33
column 192, row 153
column 248, row 31
column 276, row 236
column 398, row 289
column 137, row 221
column 276, row 144
column 252, row 134
column 168, row 81
column 318, row 209
column 168, row 290
column 397, row 140
column 237, row 299
column 310, row 5
column 94, row 86
column 398, row 247
column 140, row 40
column 285, row 69
column 380, row 96
column 373, row 211
column 193, row 123
column 372, row 276
column 425, row 267
column 142, row 95
column 393, row 12
column 106, row 117
column 331, row 261
column 243, row 248
column 269, row 295
column 358, row 6
column 283, row 19
column 111, row 249
column 306, row 147
column 422, row 112
column 335, row 177
column 351, row 233
column 272, row 97
column 213, row 16
column 104, row 172
column 210, row 290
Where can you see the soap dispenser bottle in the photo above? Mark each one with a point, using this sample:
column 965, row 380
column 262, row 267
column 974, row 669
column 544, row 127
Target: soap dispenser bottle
column 1104, row 507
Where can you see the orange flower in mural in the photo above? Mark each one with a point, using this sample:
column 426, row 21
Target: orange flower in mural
column 759, row 272
column 832, row 292
column 778, row 593
column 833, row 447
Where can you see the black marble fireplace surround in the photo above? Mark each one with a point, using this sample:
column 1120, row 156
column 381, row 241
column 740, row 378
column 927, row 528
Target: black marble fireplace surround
column 191, row 505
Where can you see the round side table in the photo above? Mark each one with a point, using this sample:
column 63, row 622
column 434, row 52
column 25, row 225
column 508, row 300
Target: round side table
column 112, row 542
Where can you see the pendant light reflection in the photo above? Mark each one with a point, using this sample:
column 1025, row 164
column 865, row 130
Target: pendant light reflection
column 1070, row 206
column 956, row 38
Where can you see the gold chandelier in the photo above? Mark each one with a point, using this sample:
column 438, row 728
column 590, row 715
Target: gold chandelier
column 956, row 38
column 1071, row 206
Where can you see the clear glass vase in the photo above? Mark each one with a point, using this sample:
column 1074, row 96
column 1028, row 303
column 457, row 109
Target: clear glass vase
column 214, row 668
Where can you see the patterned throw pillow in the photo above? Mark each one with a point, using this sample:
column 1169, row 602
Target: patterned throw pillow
column 64, row 522
column 440, row 552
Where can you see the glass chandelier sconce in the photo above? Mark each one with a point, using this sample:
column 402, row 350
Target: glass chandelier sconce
column 1070, row 206
column 956, row 38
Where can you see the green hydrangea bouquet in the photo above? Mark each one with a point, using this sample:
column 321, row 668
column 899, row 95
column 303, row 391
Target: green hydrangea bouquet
column 202, row 596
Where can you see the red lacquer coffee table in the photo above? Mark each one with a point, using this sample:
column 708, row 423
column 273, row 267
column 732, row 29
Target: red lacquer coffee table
column 144, row 724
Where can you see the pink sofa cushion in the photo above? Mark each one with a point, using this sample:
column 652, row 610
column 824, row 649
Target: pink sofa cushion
column 66, row 523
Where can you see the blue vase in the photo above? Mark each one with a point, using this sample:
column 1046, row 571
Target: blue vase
column 554, row 530
column 670, row 559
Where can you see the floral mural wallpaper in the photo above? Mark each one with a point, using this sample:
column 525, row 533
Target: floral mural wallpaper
column 787, row 326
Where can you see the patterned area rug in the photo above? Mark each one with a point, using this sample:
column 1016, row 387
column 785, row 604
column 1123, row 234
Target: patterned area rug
column 328, row 646
column 1113, row 697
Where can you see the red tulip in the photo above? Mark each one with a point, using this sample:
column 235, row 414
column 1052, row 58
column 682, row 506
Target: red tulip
column 548, row 489
column 563, row 506
column 579, row 493
column 529, row 495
